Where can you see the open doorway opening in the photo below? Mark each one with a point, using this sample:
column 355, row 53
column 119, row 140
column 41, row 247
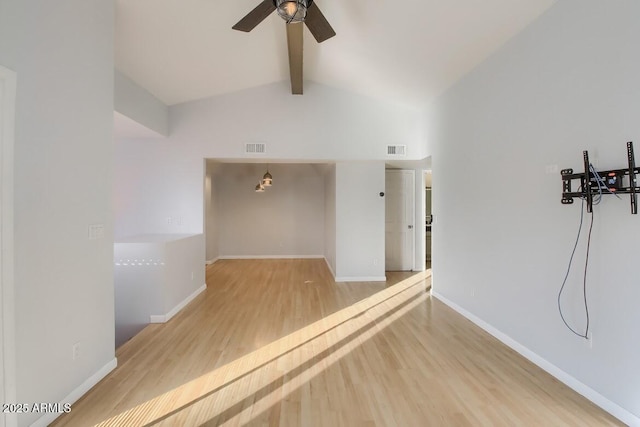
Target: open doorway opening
column 428, row 218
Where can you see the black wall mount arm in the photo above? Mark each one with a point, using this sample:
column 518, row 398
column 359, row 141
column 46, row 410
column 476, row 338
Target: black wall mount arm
column 616, row 181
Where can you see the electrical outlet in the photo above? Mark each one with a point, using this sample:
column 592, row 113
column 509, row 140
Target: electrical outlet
column 192, row 275
column 96, row 231
column 75, row 351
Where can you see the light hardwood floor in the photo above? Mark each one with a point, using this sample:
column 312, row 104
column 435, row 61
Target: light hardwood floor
column 278, row 343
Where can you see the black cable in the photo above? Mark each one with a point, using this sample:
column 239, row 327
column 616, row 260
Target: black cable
column 584, row 280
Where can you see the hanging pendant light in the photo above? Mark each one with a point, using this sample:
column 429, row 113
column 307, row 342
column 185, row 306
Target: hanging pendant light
column 259, row 188
column 267, row 179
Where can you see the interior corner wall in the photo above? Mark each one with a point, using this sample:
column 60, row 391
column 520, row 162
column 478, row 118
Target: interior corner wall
column 139, row 105
column 286, row 220
column 211, row 203
column 502, row 241
column 330, row 217
column 62, row 53
column 360, row 224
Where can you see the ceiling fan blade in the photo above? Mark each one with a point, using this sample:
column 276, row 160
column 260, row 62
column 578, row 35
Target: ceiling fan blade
column 294, row 42
column 318, row 24
column 256, row 16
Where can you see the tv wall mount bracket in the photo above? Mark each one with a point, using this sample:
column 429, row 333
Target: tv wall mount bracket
column 616, row 181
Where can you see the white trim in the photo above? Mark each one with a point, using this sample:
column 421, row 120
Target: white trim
column 163, row 318
column 78, row 392
column 579, row 387
column 270, row 257
column 212, row 261
column 361, row 279
column 8, row 80
column 330, row 269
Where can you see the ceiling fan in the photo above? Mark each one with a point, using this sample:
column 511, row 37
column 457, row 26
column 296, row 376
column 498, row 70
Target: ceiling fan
column 294, row 12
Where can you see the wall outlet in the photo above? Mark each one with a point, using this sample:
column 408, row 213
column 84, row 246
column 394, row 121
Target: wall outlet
column 174, row 220
column 96, row 231
column 192, row 275
column 75, row 351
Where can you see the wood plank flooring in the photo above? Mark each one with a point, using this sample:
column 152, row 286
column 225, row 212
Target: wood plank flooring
column 278, row 343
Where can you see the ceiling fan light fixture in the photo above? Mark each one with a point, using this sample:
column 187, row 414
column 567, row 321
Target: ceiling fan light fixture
column 293, row 10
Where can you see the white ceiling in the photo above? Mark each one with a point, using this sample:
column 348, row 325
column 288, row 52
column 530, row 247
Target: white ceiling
column 402, row 51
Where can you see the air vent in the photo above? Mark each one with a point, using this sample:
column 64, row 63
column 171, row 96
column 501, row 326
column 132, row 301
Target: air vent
column 255, row 148
column 396, row 150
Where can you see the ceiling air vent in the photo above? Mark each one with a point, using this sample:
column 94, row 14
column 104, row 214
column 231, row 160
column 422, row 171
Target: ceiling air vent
column 396, row 150
column 255, row 148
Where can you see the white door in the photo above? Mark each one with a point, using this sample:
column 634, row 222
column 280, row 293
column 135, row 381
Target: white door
column 2, row 376
column 400, row 215
column 7, row 375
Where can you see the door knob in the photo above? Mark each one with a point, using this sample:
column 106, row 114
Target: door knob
column 410, row 227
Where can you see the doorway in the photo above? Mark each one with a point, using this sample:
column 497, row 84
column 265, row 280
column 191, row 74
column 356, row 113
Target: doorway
column 399, row 220
column 7, row 332
column 428, row 219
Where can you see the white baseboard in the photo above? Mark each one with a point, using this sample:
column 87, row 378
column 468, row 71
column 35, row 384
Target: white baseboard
column 270, row 256
column 354, row 279
column 361, row 279
column 581, row 388
column 211, row 261
column 163, row 318
column 78, row 392
column 330, row 269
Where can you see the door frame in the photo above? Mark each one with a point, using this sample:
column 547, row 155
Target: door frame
column 8, row 84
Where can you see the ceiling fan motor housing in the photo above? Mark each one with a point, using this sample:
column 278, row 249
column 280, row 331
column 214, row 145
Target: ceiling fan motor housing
column 292, row 10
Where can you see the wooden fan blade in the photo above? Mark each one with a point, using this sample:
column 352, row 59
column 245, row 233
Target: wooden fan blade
column 294, row 42
column 318, row 24
column 256, row 16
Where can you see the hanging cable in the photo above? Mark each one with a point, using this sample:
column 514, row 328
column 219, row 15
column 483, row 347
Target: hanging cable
column 564, row 282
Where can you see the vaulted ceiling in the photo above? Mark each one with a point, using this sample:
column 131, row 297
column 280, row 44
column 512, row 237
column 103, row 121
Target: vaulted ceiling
column 402, row 51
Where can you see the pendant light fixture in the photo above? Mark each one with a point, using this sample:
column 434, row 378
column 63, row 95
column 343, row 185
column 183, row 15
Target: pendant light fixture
column 259, row 188
column 267, row 179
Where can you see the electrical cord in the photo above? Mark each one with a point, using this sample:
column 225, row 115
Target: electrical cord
column 564, row 282
column 601, row 185
column 595, row 201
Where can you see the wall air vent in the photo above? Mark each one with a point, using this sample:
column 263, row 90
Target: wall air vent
column 396, row 150
column 255, row 148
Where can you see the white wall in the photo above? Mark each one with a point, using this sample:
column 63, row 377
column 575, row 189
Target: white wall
column 138, row 104
column 286, row 220
column 163, row 178
column 211, row 213
column 501, row 244
column 155, row 276
column 360, row 225
column 63, row 55
column 330, row 217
